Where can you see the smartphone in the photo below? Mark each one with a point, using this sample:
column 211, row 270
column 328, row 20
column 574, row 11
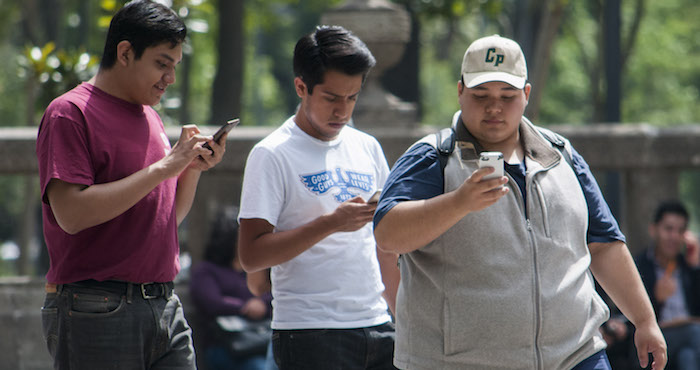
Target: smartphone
column 492, row 159
column 375, row 197
column 222, row 130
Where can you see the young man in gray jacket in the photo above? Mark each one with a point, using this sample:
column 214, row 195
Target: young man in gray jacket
column 498, row 273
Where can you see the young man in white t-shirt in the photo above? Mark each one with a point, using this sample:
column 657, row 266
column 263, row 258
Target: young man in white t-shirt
column 304, row 214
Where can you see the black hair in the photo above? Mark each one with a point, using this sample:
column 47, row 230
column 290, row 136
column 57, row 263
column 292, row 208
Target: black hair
column 330, row 48
column 144, row 24
column 672, row 207
column 223, row 240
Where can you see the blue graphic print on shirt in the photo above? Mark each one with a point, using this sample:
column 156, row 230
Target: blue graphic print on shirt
column 344, row 180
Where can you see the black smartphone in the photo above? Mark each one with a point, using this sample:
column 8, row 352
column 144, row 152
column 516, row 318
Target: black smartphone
column 222, row 130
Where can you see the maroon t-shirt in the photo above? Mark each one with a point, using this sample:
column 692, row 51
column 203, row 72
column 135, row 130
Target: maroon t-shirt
column 90, row 137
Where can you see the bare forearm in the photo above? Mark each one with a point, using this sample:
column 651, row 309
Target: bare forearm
column 391, row 277
column 259, row 282
column 614, row 269
column 77, row 209
column 258, row 252
column 411, row 225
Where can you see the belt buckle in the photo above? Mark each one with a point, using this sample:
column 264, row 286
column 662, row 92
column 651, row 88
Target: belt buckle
column 146, row 295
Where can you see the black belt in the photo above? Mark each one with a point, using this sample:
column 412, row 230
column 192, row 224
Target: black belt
column 147, row 290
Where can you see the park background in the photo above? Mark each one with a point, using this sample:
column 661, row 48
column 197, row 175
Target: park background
column 597, row 66
column 621, row 61
column 615, row 61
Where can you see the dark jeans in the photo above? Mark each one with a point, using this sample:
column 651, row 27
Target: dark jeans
column 116, row 325
column 328, row 349
column 599, row 361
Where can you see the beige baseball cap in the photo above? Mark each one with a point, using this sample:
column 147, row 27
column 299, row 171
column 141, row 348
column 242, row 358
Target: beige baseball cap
column 494, row 58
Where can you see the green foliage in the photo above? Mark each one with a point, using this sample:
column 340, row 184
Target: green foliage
column 662, row 81
column 272, row 30
column 661, row 78
column 447, row 9
column 54, row 71
column 12, row 103
column 262, row 104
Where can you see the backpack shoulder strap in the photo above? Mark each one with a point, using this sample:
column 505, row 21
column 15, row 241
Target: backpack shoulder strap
column 445, row 145
column 558, row 142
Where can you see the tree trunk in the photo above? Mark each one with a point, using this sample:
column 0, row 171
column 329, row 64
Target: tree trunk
column 227, row 87
column 612, row 59
column 184, row 113
column 552, row 12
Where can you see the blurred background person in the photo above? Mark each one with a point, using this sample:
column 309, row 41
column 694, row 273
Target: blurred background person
column 669, row 269
column 218, row 288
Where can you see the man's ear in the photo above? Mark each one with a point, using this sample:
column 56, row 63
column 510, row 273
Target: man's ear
column 125, row 53
column 300, row 87
column 526, row 89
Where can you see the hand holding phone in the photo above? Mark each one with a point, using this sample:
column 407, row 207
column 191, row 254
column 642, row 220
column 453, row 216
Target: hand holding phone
column 222, row 130
column 492, row 159
column 375, row 197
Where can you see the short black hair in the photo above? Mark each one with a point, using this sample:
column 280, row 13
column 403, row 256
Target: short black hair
column 143, row 23
column 670, row 207
column 223, row 240
column 330, row 48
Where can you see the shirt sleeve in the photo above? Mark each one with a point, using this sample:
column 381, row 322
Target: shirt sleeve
column 382, row 166
column 602, row 226
column 63, row 153
column 416, row 175
column 262, row 193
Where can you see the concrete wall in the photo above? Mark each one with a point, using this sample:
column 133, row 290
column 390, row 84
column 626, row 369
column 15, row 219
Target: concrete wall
column 648, row 159
column 21, row 339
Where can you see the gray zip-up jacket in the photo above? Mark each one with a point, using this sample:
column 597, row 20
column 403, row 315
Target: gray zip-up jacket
column 504, row 288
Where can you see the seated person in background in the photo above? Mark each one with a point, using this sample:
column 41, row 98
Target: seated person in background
column 671, row 274
column 218, row 288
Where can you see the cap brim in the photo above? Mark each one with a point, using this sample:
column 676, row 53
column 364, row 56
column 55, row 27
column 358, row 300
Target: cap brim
column 475, row 79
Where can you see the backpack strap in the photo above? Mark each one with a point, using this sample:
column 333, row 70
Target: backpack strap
column 445, row 145
column 558, row 142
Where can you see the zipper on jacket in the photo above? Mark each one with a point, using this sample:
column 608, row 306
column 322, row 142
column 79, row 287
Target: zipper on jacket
column 536, row 295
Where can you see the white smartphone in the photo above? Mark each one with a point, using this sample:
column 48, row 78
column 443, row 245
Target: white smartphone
column 375, row 197
column 492, row 159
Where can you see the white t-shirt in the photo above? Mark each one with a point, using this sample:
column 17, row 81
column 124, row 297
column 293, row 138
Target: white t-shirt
column 291, row 179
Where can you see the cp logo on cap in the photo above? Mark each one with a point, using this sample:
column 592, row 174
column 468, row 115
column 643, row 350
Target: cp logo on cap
column 490, row 57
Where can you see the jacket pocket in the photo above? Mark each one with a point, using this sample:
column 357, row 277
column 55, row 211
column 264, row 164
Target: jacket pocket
column 543, row 207
column 487, row 328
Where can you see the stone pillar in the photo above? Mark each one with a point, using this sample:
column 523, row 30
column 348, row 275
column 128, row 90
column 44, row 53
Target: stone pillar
column 386, row 29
